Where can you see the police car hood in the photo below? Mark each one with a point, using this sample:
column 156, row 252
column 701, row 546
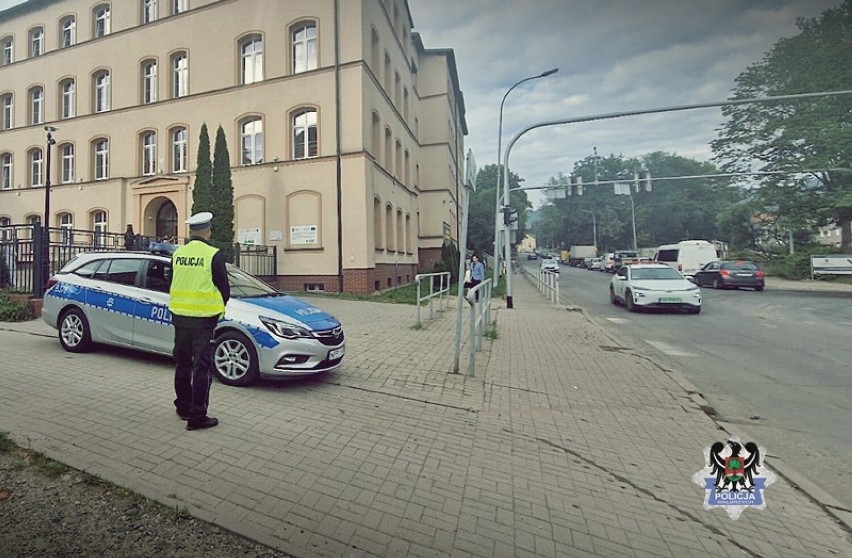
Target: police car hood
column 289, row 306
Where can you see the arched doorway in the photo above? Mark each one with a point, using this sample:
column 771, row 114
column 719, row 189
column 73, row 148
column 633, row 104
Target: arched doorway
column 167, row 220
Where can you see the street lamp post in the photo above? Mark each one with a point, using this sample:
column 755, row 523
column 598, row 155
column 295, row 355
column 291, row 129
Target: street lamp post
column 46, row 220
column 497, row 195
column 594, row 228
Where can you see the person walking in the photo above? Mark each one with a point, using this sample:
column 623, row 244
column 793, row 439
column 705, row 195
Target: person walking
column 197, row 297
column 477, row 273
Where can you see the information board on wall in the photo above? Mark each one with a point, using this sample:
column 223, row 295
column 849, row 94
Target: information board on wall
column 303, row 235
column 249, row 236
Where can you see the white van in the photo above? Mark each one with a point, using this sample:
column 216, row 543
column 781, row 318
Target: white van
column 687, row 256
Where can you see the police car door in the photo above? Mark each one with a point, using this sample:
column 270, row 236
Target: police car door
column 111, row 300
column 153, row 329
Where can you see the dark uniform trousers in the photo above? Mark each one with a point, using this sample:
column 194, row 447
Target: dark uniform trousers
column 193, row 354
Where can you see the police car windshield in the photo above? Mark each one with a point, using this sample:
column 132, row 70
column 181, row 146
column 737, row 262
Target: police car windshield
column 244, row 285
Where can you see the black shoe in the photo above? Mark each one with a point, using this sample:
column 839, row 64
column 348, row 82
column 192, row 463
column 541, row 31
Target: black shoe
column 201, row 422
column 182, row 416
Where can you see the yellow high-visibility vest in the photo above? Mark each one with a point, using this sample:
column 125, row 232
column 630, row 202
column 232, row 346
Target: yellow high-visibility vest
column 193, row 293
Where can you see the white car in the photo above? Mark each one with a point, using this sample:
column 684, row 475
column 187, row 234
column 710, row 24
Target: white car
column 653, row 285
column 550, row 264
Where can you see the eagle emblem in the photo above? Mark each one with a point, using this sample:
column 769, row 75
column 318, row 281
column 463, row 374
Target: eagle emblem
column 734, row 476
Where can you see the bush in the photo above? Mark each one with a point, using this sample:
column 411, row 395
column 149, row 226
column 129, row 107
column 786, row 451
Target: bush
column 798, row 265
column 11, row 311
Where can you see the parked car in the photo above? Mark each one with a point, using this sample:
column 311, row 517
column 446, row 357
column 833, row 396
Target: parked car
column 653, row 285
column 730, row 274
column 550, row 264
column 595, row 264
column 121, row 299
column 532, row 256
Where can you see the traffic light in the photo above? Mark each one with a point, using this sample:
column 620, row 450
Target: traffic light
column 642, row 181
column 575, row 184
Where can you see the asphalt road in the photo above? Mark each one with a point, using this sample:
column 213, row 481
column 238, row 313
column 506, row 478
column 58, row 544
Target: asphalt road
column 775, row 362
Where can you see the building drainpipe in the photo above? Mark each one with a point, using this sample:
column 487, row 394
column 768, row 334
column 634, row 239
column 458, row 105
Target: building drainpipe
column 337, row 145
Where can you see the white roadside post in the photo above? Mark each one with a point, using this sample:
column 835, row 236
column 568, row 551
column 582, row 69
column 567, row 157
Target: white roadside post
column 469, row 189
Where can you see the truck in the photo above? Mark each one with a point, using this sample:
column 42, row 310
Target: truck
column 578, row 253
column 563, row 257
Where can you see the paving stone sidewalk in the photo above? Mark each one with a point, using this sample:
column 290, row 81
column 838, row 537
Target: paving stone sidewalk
column 566, row 442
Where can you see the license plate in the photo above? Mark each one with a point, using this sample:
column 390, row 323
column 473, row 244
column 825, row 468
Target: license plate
column 743, row 274
column 669, row 299
column 336, row 353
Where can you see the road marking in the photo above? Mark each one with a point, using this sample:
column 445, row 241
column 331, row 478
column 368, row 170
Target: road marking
column 668, row 349
column 619, row 320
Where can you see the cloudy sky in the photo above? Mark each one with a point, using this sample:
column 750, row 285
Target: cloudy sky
column 613, row 56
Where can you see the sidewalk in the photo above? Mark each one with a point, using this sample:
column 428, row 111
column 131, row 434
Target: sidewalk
column 567, row 442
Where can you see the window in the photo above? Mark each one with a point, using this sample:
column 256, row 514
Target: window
column 389, row 228
column 36, row 105
column 398, row 160
column 36, row 41
column 66, row 154
column 67, row 31
column 8, row 46
column 387, row 73
column 374, row 52
column 376, row 147
column 102, row 91
column 68, row 90
column 251, row 141
column 305, row 134
column 179, row 6
column 397, row 99
column 251, row 56
column 149, row 153
column 100, row 147
column 66, row 224
column 8, row 117
column 123, row 271
column 405, row 103
column 5, row 228
column 6, row 171
column 99, row 224
column 36, row 167
column 388, row 150
column 180, row 75
column 149, row 11
column 304, row 40
column 102, row 20
column 149, row 82
column 157, row 276
column 180, row 150
column 377, row 224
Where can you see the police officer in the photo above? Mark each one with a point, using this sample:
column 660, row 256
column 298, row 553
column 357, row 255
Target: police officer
column 197, row 298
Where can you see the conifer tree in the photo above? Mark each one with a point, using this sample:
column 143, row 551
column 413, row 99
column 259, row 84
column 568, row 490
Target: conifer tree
column 202, row 192
column 223, row 195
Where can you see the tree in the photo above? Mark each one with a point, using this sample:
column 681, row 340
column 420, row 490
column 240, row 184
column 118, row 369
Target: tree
column 202, row 192
column 222, row 230
column 480, row 232
column 813, row 134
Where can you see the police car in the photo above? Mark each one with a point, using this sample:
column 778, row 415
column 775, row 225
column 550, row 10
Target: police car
column 121, row 299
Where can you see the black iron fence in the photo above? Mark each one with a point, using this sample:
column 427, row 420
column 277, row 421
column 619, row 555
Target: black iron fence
column 24, row 267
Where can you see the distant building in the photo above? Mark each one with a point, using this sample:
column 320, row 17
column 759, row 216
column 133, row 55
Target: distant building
column 346, row 144
column 527, row 244
column 829, row 235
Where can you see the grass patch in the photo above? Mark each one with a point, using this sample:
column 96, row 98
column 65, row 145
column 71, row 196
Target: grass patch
column 6, row 444
column 404, row 294
column 492, row 333
column 12, row 311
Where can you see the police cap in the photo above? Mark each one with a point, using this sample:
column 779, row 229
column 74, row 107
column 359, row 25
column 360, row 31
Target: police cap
column 200, row 221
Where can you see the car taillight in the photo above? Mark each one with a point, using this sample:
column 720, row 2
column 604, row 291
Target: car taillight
column 51, row 282
column 760, row 274
column 724, row 273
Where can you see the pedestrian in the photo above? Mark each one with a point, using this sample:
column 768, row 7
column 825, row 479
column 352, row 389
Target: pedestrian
column 129, row 238
column 477, row 273
column 197, row 298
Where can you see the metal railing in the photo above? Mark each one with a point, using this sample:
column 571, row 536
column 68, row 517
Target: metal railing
column 479, row 298
column 22, row 263
column 545, row 281
column 442, row 293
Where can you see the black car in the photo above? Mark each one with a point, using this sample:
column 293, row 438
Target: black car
column 730, row 274
column 532, row 257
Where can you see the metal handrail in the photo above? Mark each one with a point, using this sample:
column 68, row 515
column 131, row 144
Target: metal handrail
column 479, row 298
column 442, row 292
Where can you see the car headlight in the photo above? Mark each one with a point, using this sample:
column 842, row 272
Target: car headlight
column 284, row 329
column 641, row 289
column 692, row 289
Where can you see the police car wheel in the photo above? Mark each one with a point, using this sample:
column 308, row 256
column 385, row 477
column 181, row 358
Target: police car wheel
column 235, row 359
column 74, row 333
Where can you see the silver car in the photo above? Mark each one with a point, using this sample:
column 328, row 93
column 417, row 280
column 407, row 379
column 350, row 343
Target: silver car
column 121, row 299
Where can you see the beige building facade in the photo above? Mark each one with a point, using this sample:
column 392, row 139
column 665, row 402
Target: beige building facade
column 345, row 134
